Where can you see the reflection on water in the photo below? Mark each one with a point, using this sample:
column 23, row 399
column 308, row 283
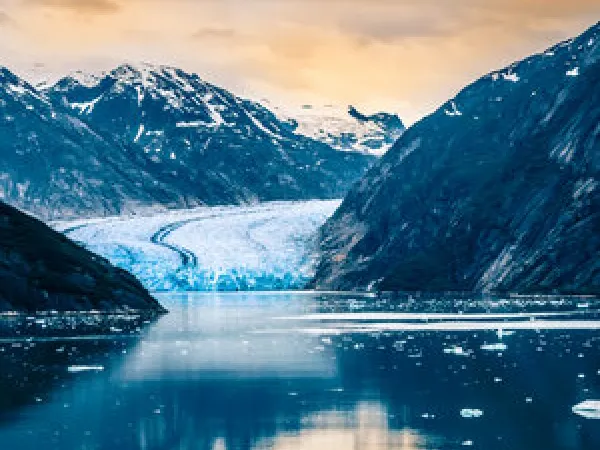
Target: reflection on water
column 306, row 371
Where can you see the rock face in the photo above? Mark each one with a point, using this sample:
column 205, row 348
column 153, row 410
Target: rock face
column 498, row 190
column 55, row 165
column 41, row 270
column 349, row 130
column 207, row 144
column 157, row 137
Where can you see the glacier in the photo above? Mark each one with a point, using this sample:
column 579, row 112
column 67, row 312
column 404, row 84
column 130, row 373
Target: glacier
column 268, row 246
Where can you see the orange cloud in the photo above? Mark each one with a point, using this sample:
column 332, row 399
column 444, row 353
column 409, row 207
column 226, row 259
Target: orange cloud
column 403, row 55
column 81, row 6
column 5, row 19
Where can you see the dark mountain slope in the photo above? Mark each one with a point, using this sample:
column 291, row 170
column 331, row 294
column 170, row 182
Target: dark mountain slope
column 497, row 190
column 41, row 270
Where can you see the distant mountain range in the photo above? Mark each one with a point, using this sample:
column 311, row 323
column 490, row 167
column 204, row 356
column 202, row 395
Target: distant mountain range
column 348, row 129
column 498, row 190
column 154, row 136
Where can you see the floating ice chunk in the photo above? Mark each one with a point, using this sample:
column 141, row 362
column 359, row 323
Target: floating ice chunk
column 502, row 333
column 77, row 369
column 497, row 347
column 589, row 409
column 573, row 72
column 469, row 413
column 457, row 350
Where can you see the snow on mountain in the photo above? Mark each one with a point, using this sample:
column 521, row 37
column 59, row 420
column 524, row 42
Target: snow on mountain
column 214, row 146
column 55, row 165
column 348, row 129
column 263, row 247
column 495, row 191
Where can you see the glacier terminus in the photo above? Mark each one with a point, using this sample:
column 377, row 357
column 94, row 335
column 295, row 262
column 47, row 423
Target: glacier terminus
column 268, row 246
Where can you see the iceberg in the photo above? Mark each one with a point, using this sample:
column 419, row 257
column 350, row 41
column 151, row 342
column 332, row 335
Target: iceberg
column 497, row 347
column 589, row 409
column 469, row 413
column 457, row 350
column 77, row 369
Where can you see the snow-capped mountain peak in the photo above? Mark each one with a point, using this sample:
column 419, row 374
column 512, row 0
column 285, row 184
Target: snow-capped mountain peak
column 347, row 129
column 214, row 145
column 19, row 90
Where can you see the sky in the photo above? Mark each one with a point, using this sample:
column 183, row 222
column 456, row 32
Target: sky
column 402, row 56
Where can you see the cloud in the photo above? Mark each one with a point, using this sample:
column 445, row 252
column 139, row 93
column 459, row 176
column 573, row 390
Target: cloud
column 218, row 33
column 378, row 53
column 5, row 20
column 81, row 6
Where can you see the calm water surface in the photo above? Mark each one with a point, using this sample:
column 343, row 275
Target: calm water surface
column 306, row 371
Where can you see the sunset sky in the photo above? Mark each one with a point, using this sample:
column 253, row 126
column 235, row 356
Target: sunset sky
column 404, row 56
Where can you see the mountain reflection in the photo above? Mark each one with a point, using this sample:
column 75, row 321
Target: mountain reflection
column 228, row 372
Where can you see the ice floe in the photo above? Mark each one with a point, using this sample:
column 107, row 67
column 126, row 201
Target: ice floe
column 590, row 409
column 496, row 347
column 471, row 413
column 77, row 369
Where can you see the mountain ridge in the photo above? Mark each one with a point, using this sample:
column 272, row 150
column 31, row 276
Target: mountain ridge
column 488, row 193
column 153, row 137
column 42, row 270
column 349, row 130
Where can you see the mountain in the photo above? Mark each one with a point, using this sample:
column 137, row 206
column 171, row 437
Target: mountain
column 55, row 165
column 205, row 142
column 349, row 130
column 495, row 191
column 42, row 270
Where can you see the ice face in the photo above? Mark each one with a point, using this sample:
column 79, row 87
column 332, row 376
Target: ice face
column 270, row 246
column 589, row 409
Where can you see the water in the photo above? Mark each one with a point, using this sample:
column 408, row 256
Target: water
column 305, row 371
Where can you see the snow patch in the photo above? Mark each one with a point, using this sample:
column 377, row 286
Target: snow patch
column 86, row 107
column 454, row 111
column 584, row 187
column 139, row 133
column 511, row 76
